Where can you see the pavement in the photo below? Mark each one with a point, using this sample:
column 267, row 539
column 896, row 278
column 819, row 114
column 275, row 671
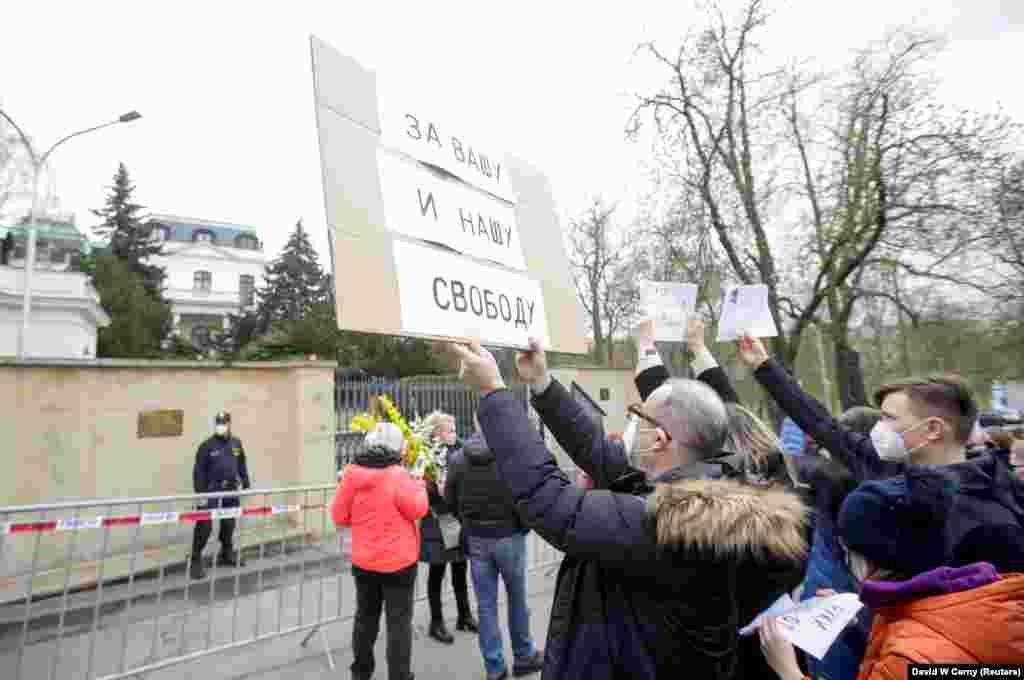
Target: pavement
column 140, row 624
column 286, row 659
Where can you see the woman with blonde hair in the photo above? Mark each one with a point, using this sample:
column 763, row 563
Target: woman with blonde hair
column 442, row 543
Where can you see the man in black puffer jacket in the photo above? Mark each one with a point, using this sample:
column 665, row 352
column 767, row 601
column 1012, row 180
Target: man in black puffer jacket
column 496, row 544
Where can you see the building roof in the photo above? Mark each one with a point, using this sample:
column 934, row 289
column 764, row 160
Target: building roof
column 182, row 228
column 55, row 231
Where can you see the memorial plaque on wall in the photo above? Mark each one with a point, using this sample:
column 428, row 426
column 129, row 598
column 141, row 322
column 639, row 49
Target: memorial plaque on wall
column 161, row 423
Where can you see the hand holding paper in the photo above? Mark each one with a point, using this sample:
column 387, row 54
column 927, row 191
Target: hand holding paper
column 644, row 334
column 695, row 335
column 752, row 352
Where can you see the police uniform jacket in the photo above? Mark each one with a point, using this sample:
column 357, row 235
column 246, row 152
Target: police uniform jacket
column 220, row 466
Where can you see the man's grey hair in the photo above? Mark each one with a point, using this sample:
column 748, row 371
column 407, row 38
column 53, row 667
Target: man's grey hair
column 693, row 414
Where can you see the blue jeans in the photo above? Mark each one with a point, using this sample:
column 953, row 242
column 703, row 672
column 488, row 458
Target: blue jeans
column 489, row 558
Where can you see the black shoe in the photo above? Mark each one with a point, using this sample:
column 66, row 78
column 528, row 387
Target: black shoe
column 439, row 632
column 195, row 569
column 230, row 559
column 531, row 665
column 467, row 624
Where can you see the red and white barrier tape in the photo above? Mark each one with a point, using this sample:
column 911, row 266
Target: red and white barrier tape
column 152, row 518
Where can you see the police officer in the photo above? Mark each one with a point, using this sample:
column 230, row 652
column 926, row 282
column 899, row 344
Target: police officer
column 220, row 466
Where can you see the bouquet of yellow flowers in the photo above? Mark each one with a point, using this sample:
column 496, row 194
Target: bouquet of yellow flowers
column 425, row 456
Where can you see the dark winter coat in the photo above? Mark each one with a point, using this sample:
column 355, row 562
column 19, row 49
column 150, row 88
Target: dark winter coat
column 648, row 585
column 988, row 491
column 478, row 496
column 760, row 583
column 220, row 466
column 432, row 548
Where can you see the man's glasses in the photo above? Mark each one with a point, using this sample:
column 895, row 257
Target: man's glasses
column 638, row 411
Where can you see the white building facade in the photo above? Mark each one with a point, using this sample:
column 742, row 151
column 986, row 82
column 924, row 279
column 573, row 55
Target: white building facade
column 213, row 269
column 66, row 311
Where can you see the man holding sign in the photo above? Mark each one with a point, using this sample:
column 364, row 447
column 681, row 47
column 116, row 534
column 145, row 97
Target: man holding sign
column 648, row 587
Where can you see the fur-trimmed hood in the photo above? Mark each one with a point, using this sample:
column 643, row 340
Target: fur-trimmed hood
column 729, row 519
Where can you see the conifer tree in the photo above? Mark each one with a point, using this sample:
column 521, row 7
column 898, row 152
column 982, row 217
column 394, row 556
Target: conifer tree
column 129, row 239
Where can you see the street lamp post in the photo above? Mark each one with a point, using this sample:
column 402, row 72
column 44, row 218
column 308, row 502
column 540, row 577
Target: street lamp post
column 38, row 162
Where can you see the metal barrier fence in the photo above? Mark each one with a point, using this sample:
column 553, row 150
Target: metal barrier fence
column 101, row 589
column 413, row 399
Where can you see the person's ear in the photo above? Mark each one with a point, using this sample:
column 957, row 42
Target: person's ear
column 663, row 439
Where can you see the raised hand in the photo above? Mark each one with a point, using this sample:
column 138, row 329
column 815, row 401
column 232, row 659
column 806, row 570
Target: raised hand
column 695, row 335
column 752, row 352
column 532, row 366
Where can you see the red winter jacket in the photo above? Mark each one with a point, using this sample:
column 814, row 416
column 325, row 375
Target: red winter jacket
column 382, row 505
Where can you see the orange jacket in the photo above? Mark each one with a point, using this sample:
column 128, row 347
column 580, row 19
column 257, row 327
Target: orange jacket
column 980, row 626
column 382, row 506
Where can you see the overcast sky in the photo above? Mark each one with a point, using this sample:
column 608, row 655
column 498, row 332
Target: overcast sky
column 225, row 88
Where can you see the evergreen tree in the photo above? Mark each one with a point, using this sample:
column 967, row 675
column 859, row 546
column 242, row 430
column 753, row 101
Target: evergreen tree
column 293, row 282
column 138, row 323
column 129, row 239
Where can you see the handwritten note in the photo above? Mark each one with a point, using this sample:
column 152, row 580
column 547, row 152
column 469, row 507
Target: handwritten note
column 780, row 606
column 670, row 305
column 745, row 310
column 814, row 624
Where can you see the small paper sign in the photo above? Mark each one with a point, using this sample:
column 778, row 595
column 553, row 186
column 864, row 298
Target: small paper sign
column 669, row 305
column 814, row 624
column 745, row 311
column 226, row 513
column 781, row 605
column 149, row 518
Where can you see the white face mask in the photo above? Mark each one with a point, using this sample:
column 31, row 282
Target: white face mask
column 889, row 443
column 629, row 436
column 859, row 567
column 220, row 430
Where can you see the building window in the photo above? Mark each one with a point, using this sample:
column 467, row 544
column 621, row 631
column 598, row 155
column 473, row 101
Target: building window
column 202, row 236
column 160, row 234
column 201, row 336
column 202, row 281
column 246, row 288
column 247, row 243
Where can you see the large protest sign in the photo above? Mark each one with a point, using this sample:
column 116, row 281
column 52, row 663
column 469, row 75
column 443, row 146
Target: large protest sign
column 670, row 305
column 436, row 232
column 745, row 311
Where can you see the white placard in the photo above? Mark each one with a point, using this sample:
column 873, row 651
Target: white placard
column 443, row 294
column 282, row 509
column 670, row 306
column 149, row 518
column 225, row 513
column 413, row 129
column 814, row 624
column 420, row 204
column 75, row 524
column 745, row 310
column 780, row 606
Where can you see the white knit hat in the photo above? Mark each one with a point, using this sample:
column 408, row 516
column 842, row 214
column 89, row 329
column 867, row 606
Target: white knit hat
column 385, row 435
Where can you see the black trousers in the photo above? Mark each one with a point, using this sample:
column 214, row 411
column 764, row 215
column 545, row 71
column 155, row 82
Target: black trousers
column 435, row 579
column 201, row 534
column 374, row 592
